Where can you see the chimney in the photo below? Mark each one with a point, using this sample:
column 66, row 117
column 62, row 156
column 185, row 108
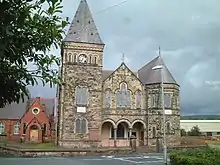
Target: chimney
column 44, row 107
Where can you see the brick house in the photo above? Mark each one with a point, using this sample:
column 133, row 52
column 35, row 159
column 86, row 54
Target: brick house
column 31, row 120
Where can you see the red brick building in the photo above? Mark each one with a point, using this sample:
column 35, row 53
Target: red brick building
column 31, row 121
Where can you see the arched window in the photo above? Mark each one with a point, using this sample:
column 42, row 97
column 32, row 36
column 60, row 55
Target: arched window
column 24, row 128
column 138, row 100
column 2, row 128
column 168, row 128
column 123, row 97
column 90, row 59
column 120, row 131
column 75, row 58
column 81, row 96
column 95, row 60
column 16, row 128
column 155, row 98
column 44, row 131
column 69, row 57
column 77, row 126
column 81, row 126
column 154, row 132
column 167, row 100
column 107, row 99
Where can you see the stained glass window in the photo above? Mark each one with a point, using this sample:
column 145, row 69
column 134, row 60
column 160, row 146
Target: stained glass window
column 123, row 97
column 138, row 100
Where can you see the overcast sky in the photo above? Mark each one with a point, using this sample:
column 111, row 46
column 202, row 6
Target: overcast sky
column 189, row 35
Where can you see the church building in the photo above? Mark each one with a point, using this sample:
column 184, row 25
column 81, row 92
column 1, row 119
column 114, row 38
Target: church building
column 103, row 108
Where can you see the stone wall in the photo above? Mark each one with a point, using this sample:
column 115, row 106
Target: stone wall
column 75, row 74
column 155, row 118
column 112, row 83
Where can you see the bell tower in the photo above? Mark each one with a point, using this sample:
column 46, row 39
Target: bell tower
column 79, row 109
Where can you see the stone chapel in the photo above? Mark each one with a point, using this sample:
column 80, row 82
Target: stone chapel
column 103, row 108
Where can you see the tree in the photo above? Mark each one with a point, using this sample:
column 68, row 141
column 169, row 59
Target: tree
column 183, row 132
column 27, row 33
column 195, row 131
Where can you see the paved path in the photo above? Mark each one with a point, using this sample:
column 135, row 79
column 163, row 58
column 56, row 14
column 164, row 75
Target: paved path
column 149, row 159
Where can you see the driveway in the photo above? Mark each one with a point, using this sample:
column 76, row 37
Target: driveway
column 148, row 159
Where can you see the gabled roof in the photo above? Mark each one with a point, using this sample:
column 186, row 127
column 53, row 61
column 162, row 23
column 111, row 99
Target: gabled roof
column 149, row 76
column 83, row 28
column 49, row 104
column 14, row 110
column 108, row 73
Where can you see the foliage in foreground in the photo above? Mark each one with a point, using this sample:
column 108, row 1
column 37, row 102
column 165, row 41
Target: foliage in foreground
column 200, row 156
column 28, row 30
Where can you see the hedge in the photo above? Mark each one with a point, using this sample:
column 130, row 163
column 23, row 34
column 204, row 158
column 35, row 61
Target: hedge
column 195, row 157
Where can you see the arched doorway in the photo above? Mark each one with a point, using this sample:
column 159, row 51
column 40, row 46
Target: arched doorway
column 138, row 132
column 122, row 134
column 106, row 134
column 34, row 133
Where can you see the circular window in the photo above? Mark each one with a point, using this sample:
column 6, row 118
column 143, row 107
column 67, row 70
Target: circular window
column 35, row 111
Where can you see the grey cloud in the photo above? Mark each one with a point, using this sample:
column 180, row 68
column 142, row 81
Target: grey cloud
column 189, row 35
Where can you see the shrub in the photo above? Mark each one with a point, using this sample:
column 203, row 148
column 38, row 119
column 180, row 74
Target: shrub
column 195, row 131
column 195, row 157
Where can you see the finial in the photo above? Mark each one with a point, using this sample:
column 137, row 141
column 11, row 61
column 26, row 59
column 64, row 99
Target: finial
column 159, row 51
column 123, row 58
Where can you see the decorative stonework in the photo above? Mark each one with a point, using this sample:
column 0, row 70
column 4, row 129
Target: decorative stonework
column 121, row 103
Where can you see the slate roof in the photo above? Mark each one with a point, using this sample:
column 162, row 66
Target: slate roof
column 16, row 111
column 149, row 76
column 83, row 28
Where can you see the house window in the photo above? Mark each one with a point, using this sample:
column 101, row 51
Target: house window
column 82, row 96
column 123, row 97
column 167, row 100
column 2, row 128
column 107, row 99
column 95, row 60
column 208, row 133
column 16, row 128
column 138, row 100
column 81, row 126
column 24, row 128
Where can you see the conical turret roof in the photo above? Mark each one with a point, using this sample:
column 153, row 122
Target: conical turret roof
column 83, row 28
column 149, row 76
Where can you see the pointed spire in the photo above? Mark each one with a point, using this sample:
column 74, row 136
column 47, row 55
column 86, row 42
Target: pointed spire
column 149, row 76
column 83, row 28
